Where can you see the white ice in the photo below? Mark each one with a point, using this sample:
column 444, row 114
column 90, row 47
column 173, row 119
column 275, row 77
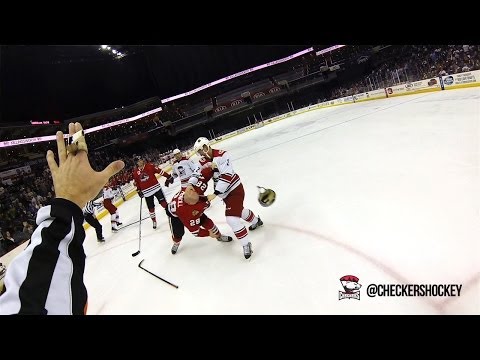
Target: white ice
column 385, row 190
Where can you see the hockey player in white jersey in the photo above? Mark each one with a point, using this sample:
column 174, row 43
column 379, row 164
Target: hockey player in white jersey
column 182, row 168
column 108, row 197
column 229, row 188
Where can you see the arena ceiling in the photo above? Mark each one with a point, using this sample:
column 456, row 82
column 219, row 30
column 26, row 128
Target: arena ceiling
column 42, row 82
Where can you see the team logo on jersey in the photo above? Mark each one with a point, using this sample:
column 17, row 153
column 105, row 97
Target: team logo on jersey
column 195, row 212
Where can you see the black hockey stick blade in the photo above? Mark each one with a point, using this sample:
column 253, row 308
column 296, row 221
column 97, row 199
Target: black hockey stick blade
column 136, row 253
column 158, row 277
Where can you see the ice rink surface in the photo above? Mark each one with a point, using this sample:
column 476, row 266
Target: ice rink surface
column 385, row 190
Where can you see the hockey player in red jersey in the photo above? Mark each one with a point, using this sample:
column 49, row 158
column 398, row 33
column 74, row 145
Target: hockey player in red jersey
column 187, row 210
column 148, row 185
column 227, row 186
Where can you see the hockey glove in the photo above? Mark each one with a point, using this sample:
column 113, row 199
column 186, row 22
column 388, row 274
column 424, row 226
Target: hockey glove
column 169, row 181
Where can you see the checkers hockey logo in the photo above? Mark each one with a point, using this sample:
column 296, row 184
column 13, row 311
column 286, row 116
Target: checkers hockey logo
column 351, row 286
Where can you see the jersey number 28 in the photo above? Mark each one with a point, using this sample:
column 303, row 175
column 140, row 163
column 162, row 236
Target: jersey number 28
column 194, row 222
column 201, row 185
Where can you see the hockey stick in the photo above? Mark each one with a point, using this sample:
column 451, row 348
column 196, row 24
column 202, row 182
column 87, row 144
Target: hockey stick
column 139, row 231
column 135, row 222
column 158, row 277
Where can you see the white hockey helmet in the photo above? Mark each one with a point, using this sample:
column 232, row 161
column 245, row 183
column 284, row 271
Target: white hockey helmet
column 176, row 151
column 201, row 141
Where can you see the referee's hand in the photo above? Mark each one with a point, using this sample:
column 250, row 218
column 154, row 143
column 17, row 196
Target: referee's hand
column 73, row 177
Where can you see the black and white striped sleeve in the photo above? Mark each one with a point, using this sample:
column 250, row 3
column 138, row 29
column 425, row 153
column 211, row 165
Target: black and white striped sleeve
column 89, row 208
column 47, row 277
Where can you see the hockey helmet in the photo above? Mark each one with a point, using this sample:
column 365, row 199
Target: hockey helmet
column 201, row 141
column 266, row 197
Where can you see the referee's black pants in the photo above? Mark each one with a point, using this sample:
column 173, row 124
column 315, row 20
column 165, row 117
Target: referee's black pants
column 92, row 220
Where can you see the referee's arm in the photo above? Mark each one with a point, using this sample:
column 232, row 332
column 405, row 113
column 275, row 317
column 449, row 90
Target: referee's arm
column 47, row 277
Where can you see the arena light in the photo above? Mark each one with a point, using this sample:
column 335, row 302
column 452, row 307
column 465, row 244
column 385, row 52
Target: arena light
column 331, row 48
column 116, row 54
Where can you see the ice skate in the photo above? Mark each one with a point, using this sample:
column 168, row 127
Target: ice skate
column 257, row 225
column 247, row 250
column 175, row 247
column 224, row 238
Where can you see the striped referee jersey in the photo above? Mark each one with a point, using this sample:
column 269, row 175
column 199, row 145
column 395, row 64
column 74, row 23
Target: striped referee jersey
column 90, row 207
column 47, row 277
